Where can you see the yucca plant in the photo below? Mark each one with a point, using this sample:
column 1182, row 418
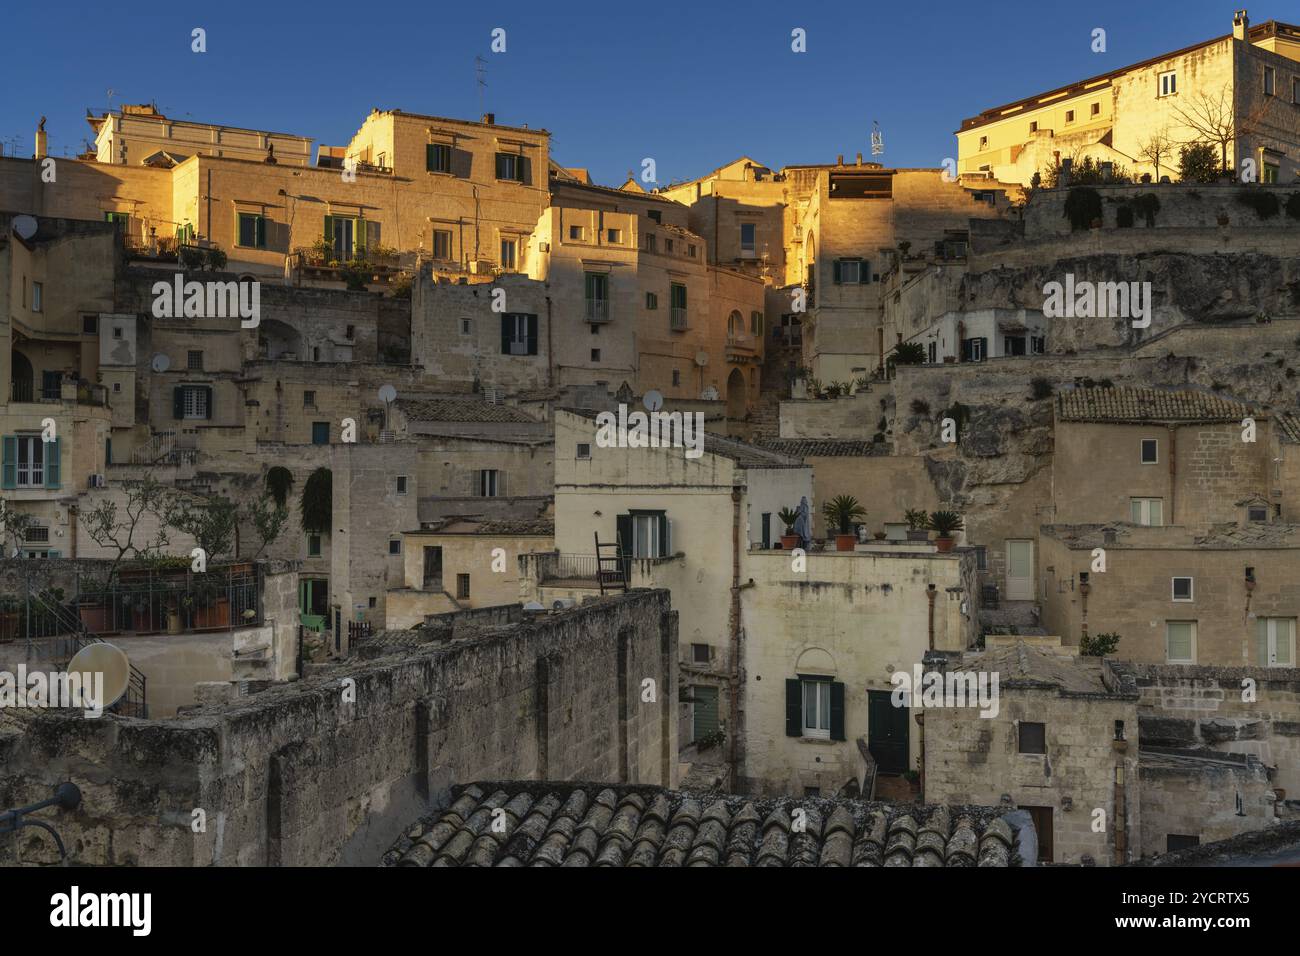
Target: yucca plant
column 944, row 523
column 841, row 511
column 788, row 518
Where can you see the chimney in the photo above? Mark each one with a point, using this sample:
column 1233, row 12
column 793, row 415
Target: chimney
column 839, row 160
column 489, row 119
column 42, row 141
column 1240, row 25
column 859, row 159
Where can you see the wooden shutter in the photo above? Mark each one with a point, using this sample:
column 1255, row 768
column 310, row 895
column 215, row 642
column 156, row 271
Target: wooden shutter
column 665, row 536
column 329, row 230
column 430, row 151
column 525, row 170
column 837, row 710
column 208, row 389
column 835, row 271
column 52, row 463
column 623, row 529
column 260, row 240
column 358, row 237
column 507, row 328
column 1261, row 641
column 532, row 335
column 178, row 402
column 9, row 471
column 793, row 707
column 864, row 272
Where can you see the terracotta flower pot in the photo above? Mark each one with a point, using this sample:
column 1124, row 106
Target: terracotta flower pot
column 945, row 544
column 789, row 542
column 845, row 542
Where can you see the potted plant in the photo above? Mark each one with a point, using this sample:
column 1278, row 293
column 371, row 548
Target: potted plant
column 944, row 523
column 173, row 617
column 917, row 524
column 788, row 516
column 841, row 512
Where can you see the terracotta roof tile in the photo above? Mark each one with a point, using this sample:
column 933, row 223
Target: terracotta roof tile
column 1137, row 405
column 460, row 410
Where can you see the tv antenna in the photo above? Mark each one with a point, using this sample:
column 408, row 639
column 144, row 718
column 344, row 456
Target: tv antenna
column 111, row 93
column 877, row 139
column 480, row 80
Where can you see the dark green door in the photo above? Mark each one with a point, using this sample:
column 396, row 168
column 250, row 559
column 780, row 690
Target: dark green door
column 887, row 732
column 705, row 711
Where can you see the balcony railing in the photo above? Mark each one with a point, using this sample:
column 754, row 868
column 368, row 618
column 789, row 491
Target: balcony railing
column 25, row 391
column 598, row 310
column 677, row 319
column 740, row 340
column 582, row 567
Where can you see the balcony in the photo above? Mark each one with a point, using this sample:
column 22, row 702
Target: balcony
column 741, row 342
column 82, row 393
column 597, row 311
column 579, row 570
column 677, row 320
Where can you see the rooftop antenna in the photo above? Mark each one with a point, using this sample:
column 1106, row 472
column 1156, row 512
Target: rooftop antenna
column 877, row 139
column 480, row 79
column 111, row 93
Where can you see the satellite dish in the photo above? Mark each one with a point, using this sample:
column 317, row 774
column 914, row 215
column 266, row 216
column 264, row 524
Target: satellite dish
column 710, row 394
column 653, row 401
column 161, row 363
column 25, row 226
column 110, row 662
column 701, row 359
column 387, row 393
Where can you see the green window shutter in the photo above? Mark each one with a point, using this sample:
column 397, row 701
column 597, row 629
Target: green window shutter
column 665, row 530
column 835, row 271
column 837, row 710
column 261, row 232
column 52, row 464
column 208, row 389
column 623, row 528
column 358, row 237
column 9, row 472
column 864, row 272
column 1261, row 641
column 793, row 707
column 429, row 161
column 329, row 229
column 178, row 402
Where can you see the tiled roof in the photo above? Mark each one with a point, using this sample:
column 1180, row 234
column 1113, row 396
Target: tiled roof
column 597, row 825
column 1125, row 404
column 824, row 447
column 1289, row 423
column 460, row 410
column 460, row 524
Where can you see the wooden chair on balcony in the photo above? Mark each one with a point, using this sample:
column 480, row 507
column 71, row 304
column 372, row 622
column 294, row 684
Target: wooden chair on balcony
column 611, row 568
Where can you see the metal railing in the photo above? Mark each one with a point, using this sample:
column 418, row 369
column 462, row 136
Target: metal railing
column 583, row 567
column 598, row 310
column 740, row 340
column 163, row 448
column 26, row 391
column 677, row 318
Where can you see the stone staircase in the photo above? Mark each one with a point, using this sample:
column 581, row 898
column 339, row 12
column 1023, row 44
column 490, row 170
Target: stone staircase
column 1021, row 615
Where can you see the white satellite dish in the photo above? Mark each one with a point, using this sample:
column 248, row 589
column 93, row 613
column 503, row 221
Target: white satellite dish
column 161, row 363
column 25, row 226
column 710, row 394
column 701, row 359
column 653, row 401
column 110, row 662
column 387, row 393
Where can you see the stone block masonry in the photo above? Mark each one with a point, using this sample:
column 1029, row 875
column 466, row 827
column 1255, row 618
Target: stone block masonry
column 304, row 775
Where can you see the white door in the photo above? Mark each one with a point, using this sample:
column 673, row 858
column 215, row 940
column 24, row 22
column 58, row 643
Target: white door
column 1020, row 571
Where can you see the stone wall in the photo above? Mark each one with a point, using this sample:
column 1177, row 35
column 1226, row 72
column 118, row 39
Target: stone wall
column 325, row 771
column 1191, row 795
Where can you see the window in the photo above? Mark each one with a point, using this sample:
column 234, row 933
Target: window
column 437, row 157
column 1096, row 109
column 1150, row 451
column 121, row 219
column 678, row 310
column 194, row 360
column 851, row 271
column 1270, row 173
column 90, row 324
column 489, row 483
column 340, row 233
column 932, row 353
column 644, row 534
column 974, row 350
column 651, row 301
column 465, row 326
column 597, row 293
column 308, row 398
column 614, row 236
column 401, row 484
column 984, row 142
column 690, row 251
column 746, row 237
column 1033, row 126
column 1033, row 738
column 668, row 245
column 508, row 247
column 1069, row 116
column 583, row 451
column 252, row 231
column 655, row 215
column 442, row 244
column 817, row 709
column 981, row 557
column 700, row 653
column 510, row 166
column 1275, row 642
column 756, row 324
column 1180, row 841
column 1147, row 511
column 117, row 331
column 394, row 545
column 1270, row 81
column 38, row 297
column 1257, row 513
column 313, row 546
column 462, row 586
column 1182, row 589
column 518, row 334
column 1013, row 345
column 595, row 355
column 24, row 461
column 1168, row 83
column 373, row 601
column 320, row 433
column 577, row 233
column 677, row 376
column 1037, row 344
column 192, row 402
column 1180, row 642
column 650, row 245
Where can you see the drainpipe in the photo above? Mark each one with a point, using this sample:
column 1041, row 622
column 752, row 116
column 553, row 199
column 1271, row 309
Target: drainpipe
column 734, row 622
column 930, row 593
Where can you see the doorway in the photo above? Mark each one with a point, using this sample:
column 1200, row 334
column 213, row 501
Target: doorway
column 887, row 732
column 704, row 712
column 1042, row 817
column 432, row 568
column 1020, row 570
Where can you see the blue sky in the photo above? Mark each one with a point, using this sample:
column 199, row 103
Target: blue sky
column 691, row 85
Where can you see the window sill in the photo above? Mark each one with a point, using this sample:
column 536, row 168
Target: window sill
column 826, row 741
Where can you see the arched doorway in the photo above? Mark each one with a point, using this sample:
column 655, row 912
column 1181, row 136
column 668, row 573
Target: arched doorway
column 21, row 372
column 736, row 394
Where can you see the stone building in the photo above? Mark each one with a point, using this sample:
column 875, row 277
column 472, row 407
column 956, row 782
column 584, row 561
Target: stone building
column 1245, row 82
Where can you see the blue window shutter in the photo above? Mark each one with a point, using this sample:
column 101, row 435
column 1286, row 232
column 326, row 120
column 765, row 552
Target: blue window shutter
column 52, row 464
column 10, row 468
